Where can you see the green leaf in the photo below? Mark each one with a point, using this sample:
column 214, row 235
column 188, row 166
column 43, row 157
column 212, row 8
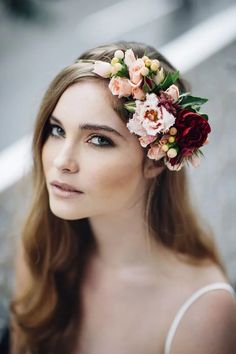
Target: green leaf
column 170, row 79
column 198, row 152
column 205, row 116
column 151, row 73
column 123, row 72
column 174, row 145
column 145, row 87
column 184, row 94
column 188, row 100
column 130, row 106
column 192, row 109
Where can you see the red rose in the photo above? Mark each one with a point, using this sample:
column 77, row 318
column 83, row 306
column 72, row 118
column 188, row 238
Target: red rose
column 192, row 131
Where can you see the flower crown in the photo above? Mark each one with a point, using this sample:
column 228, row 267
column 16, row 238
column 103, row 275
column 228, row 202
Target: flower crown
column 168, row 123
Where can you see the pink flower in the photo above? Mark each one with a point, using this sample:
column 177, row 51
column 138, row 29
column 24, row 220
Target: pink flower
column 135, row 71
column 155, row 152
column 135, row 126
column 173, row 92
column 120, row 86
column 167, row 120
column 138, row 93
column 134, row 66
column 102, row 68
column 152, row 127
column 146, row 140
column 154, row 119
column 129, row 57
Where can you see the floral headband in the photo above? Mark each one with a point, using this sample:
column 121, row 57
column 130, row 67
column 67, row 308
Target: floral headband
column 167, row 122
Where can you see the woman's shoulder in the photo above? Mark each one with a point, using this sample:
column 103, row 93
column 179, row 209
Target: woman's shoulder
column 200, row 271
column 209, row 325
column 202, row 309
column 205, row 317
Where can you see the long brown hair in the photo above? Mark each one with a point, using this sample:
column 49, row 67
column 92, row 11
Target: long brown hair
column 49, row 313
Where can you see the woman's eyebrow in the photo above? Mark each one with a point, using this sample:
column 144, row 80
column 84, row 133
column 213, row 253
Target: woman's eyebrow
column 89, row 126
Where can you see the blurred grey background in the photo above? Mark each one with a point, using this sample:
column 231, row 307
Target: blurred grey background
column 38, row 38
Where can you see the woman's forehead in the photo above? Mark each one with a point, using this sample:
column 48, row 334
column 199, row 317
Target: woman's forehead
column 89, row 101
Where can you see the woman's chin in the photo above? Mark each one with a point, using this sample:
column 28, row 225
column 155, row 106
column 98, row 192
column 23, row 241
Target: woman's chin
column 65, row 213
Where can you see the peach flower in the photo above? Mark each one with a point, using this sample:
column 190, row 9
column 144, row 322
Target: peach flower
column 129, row 57
column 146, row 140
column 173, row 92
column 138, row 93
column 134, row 66
column 135, row 71
column 155, row 152
column 120, row 86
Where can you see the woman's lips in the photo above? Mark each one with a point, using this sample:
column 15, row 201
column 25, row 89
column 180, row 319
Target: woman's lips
column 65, row 186
column 64, row 193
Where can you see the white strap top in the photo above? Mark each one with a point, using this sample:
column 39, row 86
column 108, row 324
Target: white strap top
column 187, row 304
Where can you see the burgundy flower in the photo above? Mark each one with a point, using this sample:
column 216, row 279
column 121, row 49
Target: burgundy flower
column 192, row 131
column 166, row 101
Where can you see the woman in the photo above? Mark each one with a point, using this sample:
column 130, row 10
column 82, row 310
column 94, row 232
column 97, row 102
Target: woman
column 112, row 265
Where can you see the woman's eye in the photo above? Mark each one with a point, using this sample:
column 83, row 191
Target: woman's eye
column 101, row 141
column 56, row 127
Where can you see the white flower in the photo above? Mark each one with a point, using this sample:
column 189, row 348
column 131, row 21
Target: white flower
column 144, row 71
column 171, row 153
column 149, row 118
column 167, row 120
column 134, row 125
column 159, row 77
column 119, row 54
column 102, row 68
column 156, row 118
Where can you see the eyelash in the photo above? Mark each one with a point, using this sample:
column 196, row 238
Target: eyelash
column 110, row 143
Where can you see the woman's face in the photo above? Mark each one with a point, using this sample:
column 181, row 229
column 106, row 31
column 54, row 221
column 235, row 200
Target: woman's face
column 104, row 165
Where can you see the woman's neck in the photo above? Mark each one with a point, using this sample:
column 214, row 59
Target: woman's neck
column 122, row 239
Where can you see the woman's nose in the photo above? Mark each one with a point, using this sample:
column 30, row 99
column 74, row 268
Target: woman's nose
column 66, row 160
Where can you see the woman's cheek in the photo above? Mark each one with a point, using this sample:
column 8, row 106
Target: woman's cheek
column 114, row 175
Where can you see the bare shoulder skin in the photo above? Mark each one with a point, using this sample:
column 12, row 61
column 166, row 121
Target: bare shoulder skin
column 209, row 326
column 132, row 311
column 127, row 310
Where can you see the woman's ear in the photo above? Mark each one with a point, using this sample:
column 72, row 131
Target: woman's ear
column 153, row 168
